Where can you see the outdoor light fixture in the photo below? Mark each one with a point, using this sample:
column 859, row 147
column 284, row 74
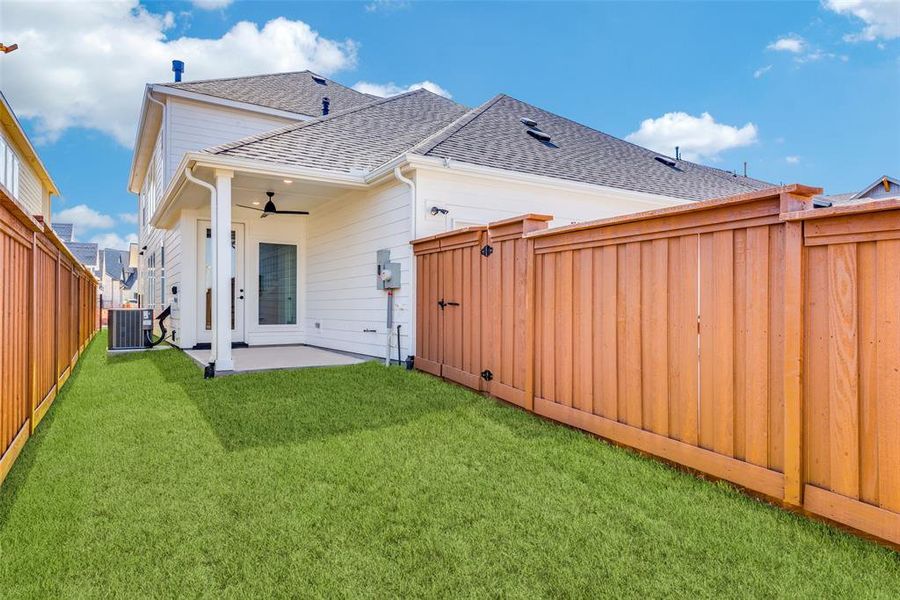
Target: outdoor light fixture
column 438, row 211
column 254, row 203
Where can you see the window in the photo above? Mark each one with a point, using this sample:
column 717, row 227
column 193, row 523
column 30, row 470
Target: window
column 277, row 284
column 162, row 276
column 9, row 168
column 151, row 280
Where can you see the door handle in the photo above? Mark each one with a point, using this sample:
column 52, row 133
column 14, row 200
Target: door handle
column 452, row 303
column 240, row 297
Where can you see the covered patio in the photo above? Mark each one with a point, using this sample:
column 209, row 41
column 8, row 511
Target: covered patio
column 242, row 262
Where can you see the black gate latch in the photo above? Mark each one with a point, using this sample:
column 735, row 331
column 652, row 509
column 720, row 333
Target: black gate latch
column 441, row 303
column 487, row 250
column 487, row 375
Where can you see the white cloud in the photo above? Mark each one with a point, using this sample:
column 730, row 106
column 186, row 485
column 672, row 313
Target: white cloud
column 113, row 240
column 392, row 89
column 792, row 160
column 211, row 4
column 84, row 217
column 761, row 71
column 95, row 58
column 128, row 217
column 698, row 137
column 386, row 5
column 790, row 43
column 882, row 18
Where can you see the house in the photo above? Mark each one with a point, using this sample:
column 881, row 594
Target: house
column 883, row 187
column 218, row 163
column 22, row 174
column 117, row 278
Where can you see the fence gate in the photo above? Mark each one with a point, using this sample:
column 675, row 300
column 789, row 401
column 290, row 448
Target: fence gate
column 474, row 295
column 448, row 297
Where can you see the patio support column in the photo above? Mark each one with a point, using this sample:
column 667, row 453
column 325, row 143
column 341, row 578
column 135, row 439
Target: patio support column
column 222, row 271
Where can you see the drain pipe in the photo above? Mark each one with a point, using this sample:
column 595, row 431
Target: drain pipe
column 412, row 260
column 189, row 175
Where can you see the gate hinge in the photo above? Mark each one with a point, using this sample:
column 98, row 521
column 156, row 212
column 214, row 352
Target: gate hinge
column 487, row 250
column 486, row 374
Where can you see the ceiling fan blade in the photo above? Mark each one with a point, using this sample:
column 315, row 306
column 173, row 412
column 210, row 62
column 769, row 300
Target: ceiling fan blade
column 291, row 212
column 250, row 207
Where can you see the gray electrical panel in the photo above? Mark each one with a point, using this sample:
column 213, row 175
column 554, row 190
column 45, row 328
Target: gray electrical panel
column 388, row 274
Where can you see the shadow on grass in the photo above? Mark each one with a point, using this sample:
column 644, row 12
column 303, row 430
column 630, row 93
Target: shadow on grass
column 18, row 476
column 276, row 408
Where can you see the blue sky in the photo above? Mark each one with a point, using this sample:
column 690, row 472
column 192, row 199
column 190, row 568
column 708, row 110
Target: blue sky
column 804, row 92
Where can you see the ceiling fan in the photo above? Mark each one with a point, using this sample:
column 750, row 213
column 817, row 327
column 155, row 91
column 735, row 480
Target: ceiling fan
column 270, row 209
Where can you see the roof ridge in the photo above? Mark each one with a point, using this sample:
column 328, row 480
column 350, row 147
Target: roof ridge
column 453, row 127
column 236, row 77
column 297, row 126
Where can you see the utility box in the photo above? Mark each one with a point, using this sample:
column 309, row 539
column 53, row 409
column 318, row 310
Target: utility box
column 388, row 274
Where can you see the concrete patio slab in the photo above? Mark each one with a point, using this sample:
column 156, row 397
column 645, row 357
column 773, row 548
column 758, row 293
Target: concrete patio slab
column 263, row 358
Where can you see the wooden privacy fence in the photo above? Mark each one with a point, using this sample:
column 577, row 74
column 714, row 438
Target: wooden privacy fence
column 48, row 313
column 751, row 338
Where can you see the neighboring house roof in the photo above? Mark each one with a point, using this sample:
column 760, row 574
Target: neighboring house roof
column 359, row 138
column 85, row 252
column 63, row 230
column 17, row 135
column 298, row 92
column 115, row 263
column 491, row 135
column 883, row 187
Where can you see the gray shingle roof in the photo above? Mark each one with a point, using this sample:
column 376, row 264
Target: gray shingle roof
column 63, row 230
column 85, row 252
column 492, row 135
column 115, row 263
column 361, row 138
column 296, row 92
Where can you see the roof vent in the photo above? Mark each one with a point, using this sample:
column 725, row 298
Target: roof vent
column 666, row 161
column 528, row 122
column 326, row 103
column 319, row 79
column 538, row 135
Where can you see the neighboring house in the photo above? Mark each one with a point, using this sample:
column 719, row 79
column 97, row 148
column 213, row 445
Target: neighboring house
column 22, row 173
column 87, row 253
column 373, row 174
column 883, row 187
column 117, row 278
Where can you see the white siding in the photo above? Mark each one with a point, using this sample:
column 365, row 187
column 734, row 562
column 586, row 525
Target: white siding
column 30, row 188
column 479, row 200
column 341, row 297
column 194, row 126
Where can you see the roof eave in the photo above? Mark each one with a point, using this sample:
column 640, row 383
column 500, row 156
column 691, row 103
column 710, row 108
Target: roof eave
column 453, row 165
column 162, row 217
column 8, row 118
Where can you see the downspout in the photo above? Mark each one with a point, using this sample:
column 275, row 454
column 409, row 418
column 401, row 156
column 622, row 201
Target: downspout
column 189, row 175
column 412, row 261
column 162, row 127
column 162, row 148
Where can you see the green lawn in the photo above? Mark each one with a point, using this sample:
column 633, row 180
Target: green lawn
column 146, row 480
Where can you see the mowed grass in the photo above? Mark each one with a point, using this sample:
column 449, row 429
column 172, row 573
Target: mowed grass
column 146, row 480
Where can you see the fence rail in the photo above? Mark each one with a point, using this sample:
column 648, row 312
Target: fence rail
column 752, row 338
column 48, row 313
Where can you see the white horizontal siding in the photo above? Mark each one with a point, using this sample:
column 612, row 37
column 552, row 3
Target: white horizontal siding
column 341, row 295
column 473, row 199
column 194, row 126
